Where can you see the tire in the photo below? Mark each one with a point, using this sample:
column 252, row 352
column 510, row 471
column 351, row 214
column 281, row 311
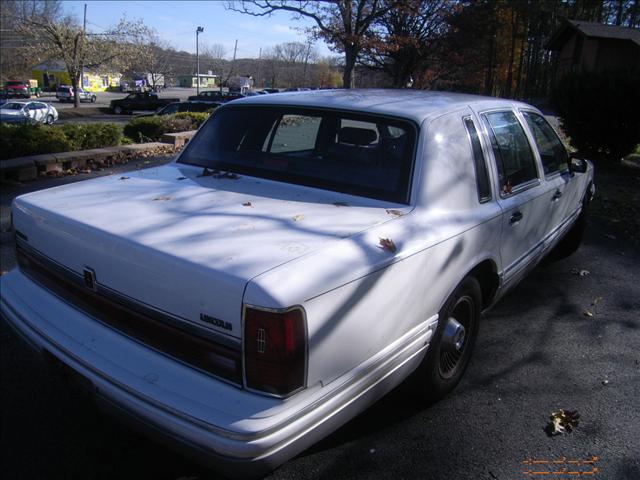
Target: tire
column 49, row 120
column 448, row 355
column 117, row 110
column 93, row 99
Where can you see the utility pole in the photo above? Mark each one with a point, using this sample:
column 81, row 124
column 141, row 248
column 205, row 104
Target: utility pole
column 233, row 63
column 199, row 30
column 306, row 61
column 76, row 100
column 259, row 67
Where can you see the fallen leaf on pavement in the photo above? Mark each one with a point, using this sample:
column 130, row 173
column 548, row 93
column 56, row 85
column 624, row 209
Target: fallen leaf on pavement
column 387, row 244
column 246, row 204
column 181, row 178
column 593, row 308
column 297, row 218
column 162, row 198
column 125, row 178
column 562, row 421
column 582, row 273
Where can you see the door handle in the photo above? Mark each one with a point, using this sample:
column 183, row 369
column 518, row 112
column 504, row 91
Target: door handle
column 556, row 196
column 515, row 218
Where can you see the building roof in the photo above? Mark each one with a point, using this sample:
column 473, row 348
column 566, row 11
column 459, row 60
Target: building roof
column 592, row 30
column 51, row 66
column 416, row 105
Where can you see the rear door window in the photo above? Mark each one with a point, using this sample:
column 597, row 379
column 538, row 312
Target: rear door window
column 552, row 152
column 512, row 151
column 482, row 177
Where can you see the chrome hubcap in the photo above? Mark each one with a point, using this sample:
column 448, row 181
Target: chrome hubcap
column 454, row 334
column 454, row 337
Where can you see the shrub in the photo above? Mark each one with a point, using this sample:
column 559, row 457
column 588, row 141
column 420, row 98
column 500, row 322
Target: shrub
column 599, row 111
column 197, row 118
column 93, row 135
column 151, row 129
column 144, row 129
column 22, row 140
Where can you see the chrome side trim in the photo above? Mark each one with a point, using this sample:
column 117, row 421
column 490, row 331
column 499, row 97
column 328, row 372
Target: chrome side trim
column 523, row 261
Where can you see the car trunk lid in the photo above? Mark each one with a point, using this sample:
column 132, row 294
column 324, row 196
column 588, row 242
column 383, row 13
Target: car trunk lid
column 183, row 244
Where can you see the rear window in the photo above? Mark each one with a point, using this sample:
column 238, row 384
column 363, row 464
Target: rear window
column 363, row 155
column 64, row 89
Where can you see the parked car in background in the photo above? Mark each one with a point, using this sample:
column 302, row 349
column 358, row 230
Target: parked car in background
column 302, row 256
column 28, row 113
column 178, row 107
column 64, row 93
column 17, row 88
column 140, row 101
column 271, row 90
column 215, row 96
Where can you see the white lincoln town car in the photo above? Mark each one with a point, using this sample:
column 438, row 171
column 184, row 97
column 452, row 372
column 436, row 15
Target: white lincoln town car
column 303, row 255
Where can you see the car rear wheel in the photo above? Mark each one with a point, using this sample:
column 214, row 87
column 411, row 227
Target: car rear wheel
column 117, row 110
column 452, row 344
column 93, row 99
column 49, row 120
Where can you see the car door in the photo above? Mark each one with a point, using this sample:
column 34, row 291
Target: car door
column 563, row 197
column 522, row 193
column 41, row 111
column 34, row 112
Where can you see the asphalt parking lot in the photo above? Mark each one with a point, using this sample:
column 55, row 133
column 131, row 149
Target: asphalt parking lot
column 537, row 352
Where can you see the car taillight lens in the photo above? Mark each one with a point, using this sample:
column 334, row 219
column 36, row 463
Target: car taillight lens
column 275, row 350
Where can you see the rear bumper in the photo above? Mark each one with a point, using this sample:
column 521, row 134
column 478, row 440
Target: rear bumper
column 222, row 426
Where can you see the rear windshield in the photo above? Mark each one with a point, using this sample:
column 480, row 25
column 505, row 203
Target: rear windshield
column 363, row 155
column 64, row 89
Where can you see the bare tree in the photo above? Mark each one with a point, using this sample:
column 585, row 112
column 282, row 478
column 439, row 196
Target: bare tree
column 409, row 37
column 215, row 51
column 346, row 25
column 15, row 57
column 153, row 58
column 67, row 41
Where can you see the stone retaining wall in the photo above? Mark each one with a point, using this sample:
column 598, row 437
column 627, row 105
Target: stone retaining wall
column 29, row 168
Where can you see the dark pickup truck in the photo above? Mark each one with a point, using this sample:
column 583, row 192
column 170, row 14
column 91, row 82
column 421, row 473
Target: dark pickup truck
column 140, row 101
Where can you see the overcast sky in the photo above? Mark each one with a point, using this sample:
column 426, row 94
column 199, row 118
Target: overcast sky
column 176, row 22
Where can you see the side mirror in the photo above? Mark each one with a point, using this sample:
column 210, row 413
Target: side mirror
column 577, row 165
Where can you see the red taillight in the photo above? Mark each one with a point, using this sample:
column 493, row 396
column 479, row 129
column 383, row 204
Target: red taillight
column 275, row 350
